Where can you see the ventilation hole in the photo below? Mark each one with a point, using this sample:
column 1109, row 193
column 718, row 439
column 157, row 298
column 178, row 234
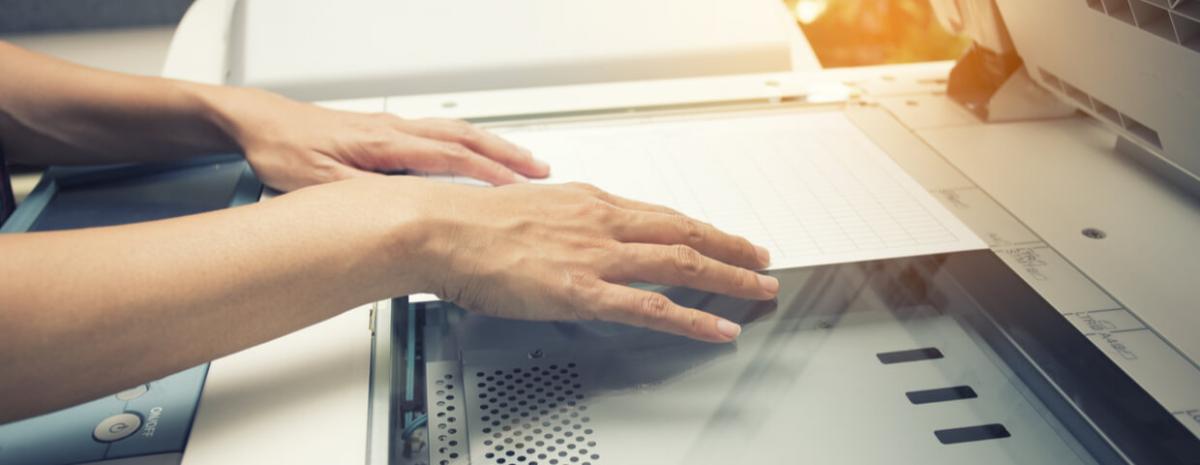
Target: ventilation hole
column 972, row 433
column 1187, row 30
column 545, row 406
column 901, row 356
column 1141, row 131
column 940, row 395
column 1118, row 9
column 1152, row 19
column 1106, row 112
column 1077, row 95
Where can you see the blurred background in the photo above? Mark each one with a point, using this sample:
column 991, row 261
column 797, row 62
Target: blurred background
column 132, row 36
column 873, row 32
column 842, row 32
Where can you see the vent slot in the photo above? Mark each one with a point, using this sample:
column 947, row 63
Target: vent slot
column 1110, row 114
column 1050, row 79
column 902, row 356
column 1103, row 110
column 1119, row 9
column 1077, row 95
column 531, row 415
column 930, row 396
column 1187, row 29
column 1152, row 19
column 972, row 433
column 1141, row 131
column 1174, row 20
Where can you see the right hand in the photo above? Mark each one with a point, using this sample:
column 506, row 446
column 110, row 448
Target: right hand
column 567, row 252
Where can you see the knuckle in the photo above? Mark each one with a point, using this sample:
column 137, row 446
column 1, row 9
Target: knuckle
column 456, row 153
column 695, row 232
column 327, row 172
column 695, row 322
column 577, row 284
column 655, row 307
column 466, row 134
column 687, row 260
column 595, row 208
column 583, row 186
column 579, row 287
column 741, row 280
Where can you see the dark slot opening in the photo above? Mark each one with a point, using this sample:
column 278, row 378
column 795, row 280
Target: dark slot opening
column 941, row 394
column 901, row 356
column 972, row 433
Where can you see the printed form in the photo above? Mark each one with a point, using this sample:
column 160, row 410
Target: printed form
column 810, row 187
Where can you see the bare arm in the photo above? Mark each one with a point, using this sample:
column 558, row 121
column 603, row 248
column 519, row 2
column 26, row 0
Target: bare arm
column 95, row 304
column 55, row 112
column 83, row 312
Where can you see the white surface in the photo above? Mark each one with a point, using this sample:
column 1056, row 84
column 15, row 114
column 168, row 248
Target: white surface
column 199, row 49
column 808, row 186
column 1062, row 176
column 301, row 398
column 316, row 50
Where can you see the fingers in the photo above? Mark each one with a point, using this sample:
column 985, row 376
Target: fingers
column 480, row 141
column 680, row 265
column 619, row 201
column 434, row 156
column 623, row 304
column 660, row 228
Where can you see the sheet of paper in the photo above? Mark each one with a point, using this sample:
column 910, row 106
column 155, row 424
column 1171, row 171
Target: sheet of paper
column 810, row 187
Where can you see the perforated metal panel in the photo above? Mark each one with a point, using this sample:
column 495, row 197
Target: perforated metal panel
column 447, row 414
column 531, row 414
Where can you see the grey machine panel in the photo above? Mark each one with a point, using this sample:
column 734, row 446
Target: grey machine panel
column 922, row 360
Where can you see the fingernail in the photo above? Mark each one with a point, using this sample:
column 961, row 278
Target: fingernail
column 728, row 328
column 764, row 257
column 541, row 165
column 768, row 283
column 520, row 178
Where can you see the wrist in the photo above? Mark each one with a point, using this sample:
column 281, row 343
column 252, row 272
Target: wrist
column 396, row 242
column 224, row 109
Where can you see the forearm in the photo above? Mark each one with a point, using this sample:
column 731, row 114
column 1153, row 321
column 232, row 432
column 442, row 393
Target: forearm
column 54, row 112
column 97, row 304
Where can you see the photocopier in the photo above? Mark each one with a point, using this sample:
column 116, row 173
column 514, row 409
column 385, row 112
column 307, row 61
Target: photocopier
column 1067, row 138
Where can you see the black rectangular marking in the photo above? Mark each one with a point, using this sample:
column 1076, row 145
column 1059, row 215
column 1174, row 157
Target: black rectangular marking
column 901, row 356
column 941, row 394
column 972, row 433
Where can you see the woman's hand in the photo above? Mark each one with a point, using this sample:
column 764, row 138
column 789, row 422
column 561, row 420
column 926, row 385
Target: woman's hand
column 567, row 252
column 293, row 144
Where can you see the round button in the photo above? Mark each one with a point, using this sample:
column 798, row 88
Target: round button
column 133, row 393
column 117, row 427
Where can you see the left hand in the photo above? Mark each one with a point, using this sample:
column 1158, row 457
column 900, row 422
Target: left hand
column 293, row 144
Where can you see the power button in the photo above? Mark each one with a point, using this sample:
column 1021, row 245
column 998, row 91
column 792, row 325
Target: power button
column 117, row 427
